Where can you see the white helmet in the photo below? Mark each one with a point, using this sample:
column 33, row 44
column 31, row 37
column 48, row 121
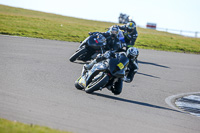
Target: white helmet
column 132, row 53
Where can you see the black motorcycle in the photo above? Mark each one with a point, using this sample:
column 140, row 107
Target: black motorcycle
column 107, row 73
column 90, row 47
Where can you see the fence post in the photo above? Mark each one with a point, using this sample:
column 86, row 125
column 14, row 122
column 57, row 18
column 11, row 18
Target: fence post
column 196, row 34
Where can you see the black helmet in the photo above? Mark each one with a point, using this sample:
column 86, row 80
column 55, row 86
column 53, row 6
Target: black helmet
column 132, row 53
column 114, row 31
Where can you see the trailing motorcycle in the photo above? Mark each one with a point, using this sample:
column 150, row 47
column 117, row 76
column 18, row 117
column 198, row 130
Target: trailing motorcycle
column 90, row 47
column 107, row 73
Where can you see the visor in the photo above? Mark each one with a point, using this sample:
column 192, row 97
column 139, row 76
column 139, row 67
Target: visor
column 130, row 28
column 114, row 32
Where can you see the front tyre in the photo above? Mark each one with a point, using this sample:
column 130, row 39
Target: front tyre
column 77, row 84
column 77, row 54
column 93, row 86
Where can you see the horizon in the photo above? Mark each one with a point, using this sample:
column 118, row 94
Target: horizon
column 145, row 11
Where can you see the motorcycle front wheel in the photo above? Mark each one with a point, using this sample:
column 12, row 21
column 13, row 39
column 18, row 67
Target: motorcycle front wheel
column 93, row 86
column 77, row 54
column 77, row 84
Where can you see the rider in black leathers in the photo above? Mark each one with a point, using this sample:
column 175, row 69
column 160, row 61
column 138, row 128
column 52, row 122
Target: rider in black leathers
column 132, row 53
column 112, row 40
column 130, row 33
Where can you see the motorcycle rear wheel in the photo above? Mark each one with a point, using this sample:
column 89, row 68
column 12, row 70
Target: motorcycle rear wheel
column 77, row 54
column 93, row 86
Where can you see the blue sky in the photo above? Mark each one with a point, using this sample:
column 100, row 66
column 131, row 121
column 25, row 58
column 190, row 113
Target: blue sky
column 171, row 14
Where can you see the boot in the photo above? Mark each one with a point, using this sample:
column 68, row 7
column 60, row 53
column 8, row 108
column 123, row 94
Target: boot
column 125, row 79
column 90, row 65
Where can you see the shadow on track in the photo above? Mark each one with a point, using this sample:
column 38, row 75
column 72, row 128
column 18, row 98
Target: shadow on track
column 134, row 102
column 154, row 64
column 148, row 75
column 141, row 62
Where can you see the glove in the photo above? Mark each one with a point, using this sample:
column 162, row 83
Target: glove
column 99, row 56
column 90, row 33
column 107, row 54
column 125, row 33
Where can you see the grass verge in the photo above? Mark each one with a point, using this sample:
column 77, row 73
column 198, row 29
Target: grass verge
column 7, row 126
column 22, row 22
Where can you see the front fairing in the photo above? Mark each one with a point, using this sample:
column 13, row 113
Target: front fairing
column 97, row 68
column 93, row 43
column 84, row 42
column 101, row 66
column 117, row 66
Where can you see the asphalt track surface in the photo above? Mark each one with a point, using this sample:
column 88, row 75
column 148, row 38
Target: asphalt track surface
column 37, row 87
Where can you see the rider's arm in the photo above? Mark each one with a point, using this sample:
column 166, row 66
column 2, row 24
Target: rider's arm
column 104, row 56
column 134, row 34
column 105, row 34
column 122, row 27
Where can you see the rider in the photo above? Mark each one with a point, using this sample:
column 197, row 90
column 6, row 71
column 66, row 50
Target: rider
column 132, row 53
column 130, row 33
column 112, row 40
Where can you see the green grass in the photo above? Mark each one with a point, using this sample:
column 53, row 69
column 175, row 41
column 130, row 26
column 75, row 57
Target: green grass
column 22, row 22
column 7, row 126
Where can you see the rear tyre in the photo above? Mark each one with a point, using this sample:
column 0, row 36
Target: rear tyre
column 117, row 87
column 93, row 86
column 77, row 54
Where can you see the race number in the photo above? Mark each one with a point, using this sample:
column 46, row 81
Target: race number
column 120, row 65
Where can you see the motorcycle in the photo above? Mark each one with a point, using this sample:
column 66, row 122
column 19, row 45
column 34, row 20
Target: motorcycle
column 124, row 18
column 107, row 73
column 90, row 47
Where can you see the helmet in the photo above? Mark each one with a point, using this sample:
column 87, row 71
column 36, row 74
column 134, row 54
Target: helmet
column 101, row 38
column 130, row 26
column 132, row 53
column 114, row 31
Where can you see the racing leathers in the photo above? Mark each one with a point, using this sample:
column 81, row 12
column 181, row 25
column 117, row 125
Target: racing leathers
column 130, row 35
column 112, row 43
column 133, row 68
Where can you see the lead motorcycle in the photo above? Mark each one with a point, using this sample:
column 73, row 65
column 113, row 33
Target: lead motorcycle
column 90, row 47
column 107, row 73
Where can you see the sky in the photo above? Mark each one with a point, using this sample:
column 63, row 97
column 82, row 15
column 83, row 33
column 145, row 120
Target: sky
column 172, row 14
